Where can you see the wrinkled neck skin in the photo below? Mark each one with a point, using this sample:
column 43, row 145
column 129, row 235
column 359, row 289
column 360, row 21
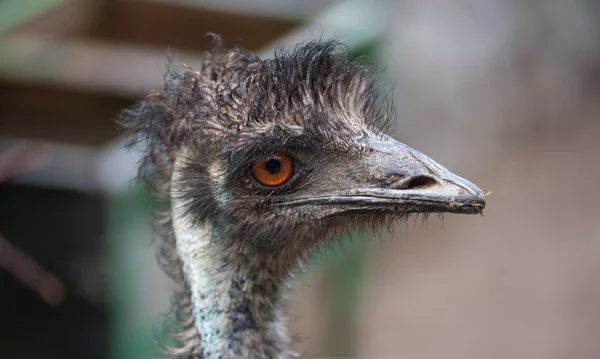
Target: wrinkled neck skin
column 238, row 307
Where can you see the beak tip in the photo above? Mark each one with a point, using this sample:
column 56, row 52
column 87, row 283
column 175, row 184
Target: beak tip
column 478, row 202
column 474, row 198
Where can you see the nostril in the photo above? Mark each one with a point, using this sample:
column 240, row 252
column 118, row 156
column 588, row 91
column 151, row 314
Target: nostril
column 420, row 181
column 400, row 182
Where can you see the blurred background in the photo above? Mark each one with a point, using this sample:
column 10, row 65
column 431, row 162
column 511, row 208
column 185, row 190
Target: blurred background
column 503, row 92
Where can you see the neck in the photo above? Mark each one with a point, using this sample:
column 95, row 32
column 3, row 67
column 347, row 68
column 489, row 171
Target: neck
column 237, row 306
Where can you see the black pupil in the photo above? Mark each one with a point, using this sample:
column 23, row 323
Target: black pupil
column 273, row 166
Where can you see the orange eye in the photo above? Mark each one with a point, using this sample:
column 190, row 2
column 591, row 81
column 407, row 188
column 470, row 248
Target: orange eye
column 274, row 170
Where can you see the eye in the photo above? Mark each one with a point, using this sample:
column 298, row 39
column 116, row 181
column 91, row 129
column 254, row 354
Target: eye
column 274, row 170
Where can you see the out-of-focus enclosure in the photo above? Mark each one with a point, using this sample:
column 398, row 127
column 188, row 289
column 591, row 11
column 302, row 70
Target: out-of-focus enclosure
column 504, row 92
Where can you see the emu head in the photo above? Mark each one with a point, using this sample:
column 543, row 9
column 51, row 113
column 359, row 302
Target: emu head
column 283, row 154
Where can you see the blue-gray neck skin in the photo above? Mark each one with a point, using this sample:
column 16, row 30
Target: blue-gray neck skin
column 238, row 308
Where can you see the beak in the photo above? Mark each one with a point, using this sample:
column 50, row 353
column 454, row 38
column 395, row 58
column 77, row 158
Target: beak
column 392, row 177
column 415, row 182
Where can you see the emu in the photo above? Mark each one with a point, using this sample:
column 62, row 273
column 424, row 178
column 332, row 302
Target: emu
column 257, row 163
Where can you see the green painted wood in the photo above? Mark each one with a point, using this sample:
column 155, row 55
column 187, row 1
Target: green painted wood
column 16, row 12
column 133, row 333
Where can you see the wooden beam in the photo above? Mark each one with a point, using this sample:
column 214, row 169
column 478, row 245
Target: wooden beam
column 71, row 91
column 49, row 113
column 68, row 18
column 288, row 10
column 129, row 71
column 165, row 25
column 179, row 24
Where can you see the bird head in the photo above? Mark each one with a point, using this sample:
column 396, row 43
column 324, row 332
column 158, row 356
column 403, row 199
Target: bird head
column 281, row 155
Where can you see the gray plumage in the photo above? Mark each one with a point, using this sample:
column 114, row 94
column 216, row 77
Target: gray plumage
column 232, row 242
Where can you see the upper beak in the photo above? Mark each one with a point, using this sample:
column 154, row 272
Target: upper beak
column 391, row 177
